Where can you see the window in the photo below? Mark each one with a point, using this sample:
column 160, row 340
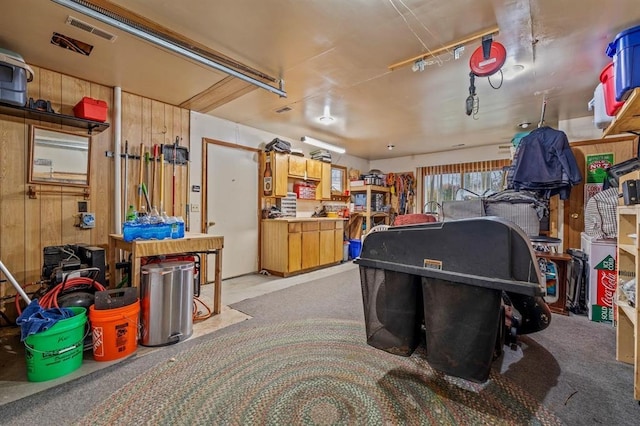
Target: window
column 338, row 179
column 460, row 181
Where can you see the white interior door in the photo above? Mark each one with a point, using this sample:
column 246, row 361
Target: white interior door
column 232, row 194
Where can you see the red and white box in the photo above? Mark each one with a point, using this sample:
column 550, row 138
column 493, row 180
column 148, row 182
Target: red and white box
column 603, row 277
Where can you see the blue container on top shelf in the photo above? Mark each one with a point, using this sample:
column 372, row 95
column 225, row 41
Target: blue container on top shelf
column 625, row 51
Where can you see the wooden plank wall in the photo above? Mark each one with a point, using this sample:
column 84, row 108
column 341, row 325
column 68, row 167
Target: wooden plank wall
column 28, row 225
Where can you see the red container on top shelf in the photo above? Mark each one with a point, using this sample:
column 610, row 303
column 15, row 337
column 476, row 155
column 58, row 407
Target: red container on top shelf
column 91, row 109
column 608, row 84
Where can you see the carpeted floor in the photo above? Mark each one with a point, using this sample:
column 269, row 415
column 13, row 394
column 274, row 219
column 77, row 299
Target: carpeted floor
column 310, row 372
column 302, row 358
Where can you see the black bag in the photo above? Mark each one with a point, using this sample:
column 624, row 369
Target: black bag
column 578, row 282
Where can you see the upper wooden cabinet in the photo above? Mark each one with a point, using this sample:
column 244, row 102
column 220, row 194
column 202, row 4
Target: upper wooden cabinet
column 305, row 168
column 280, row 172
column 285, row 166
column 297, row 166
column 323, row 191
column 314, row 169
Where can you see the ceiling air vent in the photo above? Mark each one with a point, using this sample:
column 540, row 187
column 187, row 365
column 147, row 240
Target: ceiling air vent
column 74, row 22
column 283, row 109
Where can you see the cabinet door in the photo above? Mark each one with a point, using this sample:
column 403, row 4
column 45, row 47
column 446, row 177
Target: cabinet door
column 297, row 166
column 338, row 243
column 327, row 247
column 314, row 169
column 323, row 191
column 294, row 261
column 280, row 164
column 310, row 249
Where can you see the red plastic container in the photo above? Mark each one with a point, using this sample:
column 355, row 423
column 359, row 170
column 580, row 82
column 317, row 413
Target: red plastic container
column 608, row 84
column 304, row 191
column 91, row 109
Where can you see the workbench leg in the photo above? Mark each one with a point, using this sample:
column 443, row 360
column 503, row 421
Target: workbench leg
column 113, row 276
column 135, row 269
column 217, row 287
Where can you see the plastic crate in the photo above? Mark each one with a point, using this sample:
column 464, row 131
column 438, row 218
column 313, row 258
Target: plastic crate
column 625, row 51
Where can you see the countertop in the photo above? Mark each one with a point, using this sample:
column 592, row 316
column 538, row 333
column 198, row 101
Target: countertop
column 305, row 219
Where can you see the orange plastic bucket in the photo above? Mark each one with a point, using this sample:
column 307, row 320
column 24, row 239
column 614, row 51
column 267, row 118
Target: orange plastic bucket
column 114, row 331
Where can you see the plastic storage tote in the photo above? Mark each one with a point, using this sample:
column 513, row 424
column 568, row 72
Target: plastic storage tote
column 600, row 117
column 14, row 75
column 625, row 51
column 607, row 79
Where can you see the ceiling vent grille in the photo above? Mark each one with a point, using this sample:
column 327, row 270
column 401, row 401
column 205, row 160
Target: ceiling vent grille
column 283, row 109
column 75, row 22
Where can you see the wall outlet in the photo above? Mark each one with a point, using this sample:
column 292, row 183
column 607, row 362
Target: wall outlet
column 195, row 208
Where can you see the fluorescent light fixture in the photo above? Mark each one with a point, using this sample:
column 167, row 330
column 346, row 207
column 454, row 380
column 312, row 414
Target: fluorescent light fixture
column 320, row 144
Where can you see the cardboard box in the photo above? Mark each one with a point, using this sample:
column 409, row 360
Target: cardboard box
column 602, row 277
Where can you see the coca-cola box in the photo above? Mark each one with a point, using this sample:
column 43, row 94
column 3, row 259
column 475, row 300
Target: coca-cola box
column 602, row 277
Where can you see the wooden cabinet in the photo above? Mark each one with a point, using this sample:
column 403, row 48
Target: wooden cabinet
column 627, row 338
column 371, row 216
column 291, row 246
column 297, row 166
column 285, row 167
column 304, row 168
column 294, row 247
column 280, row 164
column 310, row 245
column 323, row 191
column 314, row 170
column 327, row 242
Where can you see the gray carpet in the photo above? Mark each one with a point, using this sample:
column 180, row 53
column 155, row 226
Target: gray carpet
column 570, row 368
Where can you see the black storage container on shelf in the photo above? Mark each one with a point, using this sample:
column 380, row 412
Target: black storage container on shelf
column 458, row 270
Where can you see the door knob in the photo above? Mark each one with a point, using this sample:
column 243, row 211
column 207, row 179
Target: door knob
column 575, row 215
column 210, row 224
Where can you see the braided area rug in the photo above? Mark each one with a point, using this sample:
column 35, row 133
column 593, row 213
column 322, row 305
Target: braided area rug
column 310, row 372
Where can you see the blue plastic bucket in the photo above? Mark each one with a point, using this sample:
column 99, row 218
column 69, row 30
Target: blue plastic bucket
column 625, row 51
column 354, row 248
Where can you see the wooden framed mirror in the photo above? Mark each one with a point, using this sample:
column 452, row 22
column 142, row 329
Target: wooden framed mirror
column 58, row 157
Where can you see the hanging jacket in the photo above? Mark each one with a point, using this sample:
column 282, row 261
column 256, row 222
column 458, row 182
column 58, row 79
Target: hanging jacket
column 546, row 164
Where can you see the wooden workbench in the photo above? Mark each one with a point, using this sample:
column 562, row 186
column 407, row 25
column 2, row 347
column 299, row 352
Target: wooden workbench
column 191, row 243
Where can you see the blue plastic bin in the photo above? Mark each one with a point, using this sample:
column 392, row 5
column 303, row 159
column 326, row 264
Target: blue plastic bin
column 354, row 248
column 625, row 51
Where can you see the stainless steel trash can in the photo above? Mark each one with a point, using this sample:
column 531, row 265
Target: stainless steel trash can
column 166, row 299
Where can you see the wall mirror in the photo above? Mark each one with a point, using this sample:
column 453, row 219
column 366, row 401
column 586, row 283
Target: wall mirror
column 57, row 157
column 338, row 179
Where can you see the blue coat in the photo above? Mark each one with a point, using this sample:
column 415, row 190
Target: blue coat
column 546, row 163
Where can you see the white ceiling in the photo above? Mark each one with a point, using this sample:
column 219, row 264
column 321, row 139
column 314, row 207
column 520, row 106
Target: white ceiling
column 336, row 53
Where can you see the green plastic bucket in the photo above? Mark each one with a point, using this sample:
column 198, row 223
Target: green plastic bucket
column 57, row 351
